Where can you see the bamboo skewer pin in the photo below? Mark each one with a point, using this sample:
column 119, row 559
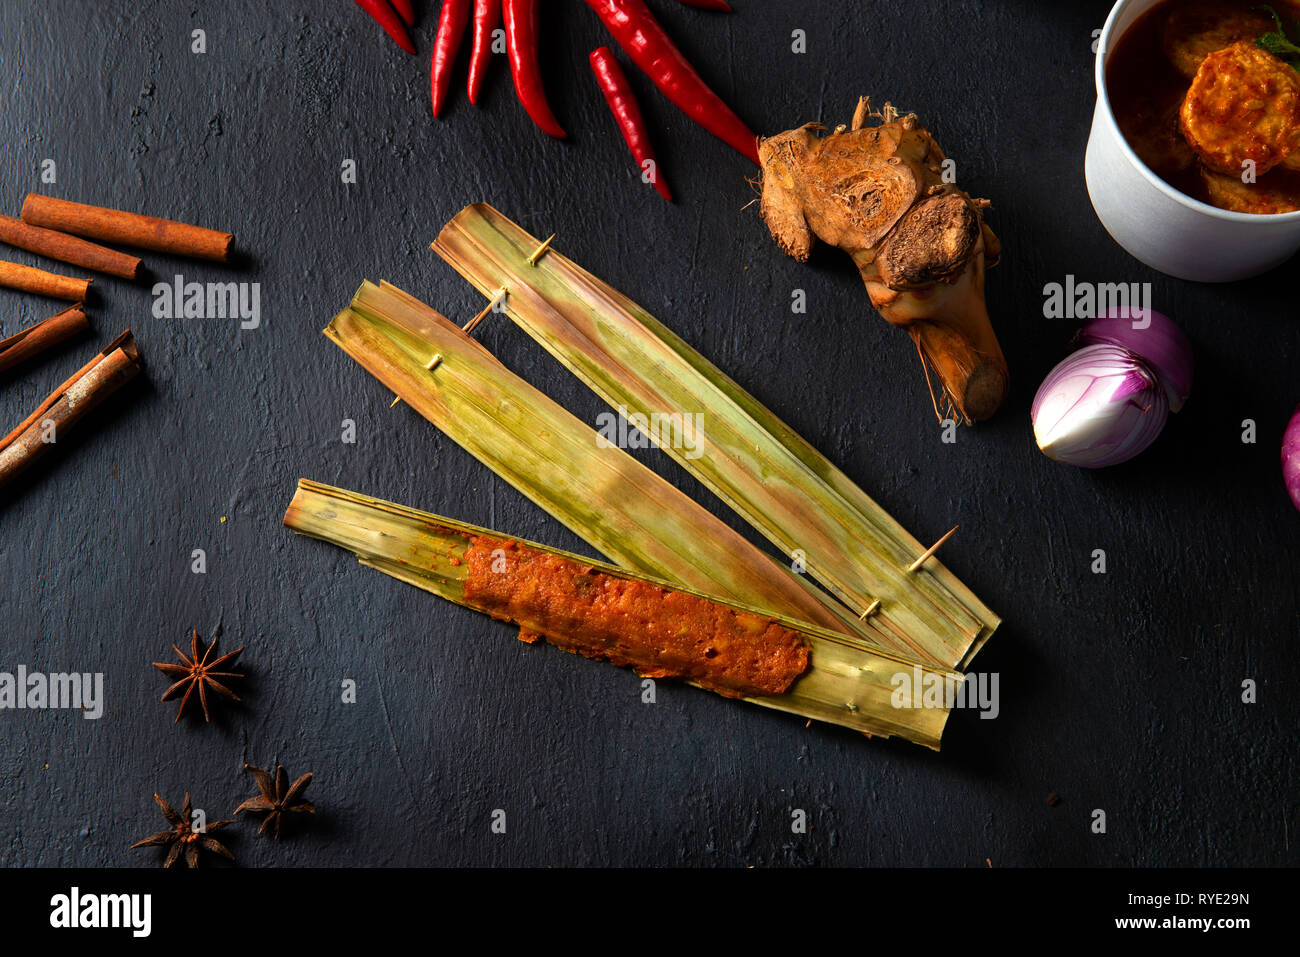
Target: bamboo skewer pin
column 469, row 327
column 499, row 298
column 871, row 610
column 430, row 365
column 875, row 605
column 929, row 552
column 540, row 250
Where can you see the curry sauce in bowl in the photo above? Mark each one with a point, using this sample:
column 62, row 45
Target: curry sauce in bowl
column 1206, row 107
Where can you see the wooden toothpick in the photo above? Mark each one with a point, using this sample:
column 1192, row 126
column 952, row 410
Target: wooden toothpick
column 433, row 363
column 537, row 253
column 499, row 298
column 430, row 365
column 871, row 610
column 931, row 550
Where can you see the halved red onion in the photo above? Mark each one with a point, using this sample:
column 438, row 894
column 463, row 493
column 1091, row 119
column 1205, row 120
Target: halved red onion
column 1291, row 458
column 1100, row 406
column 1155, row 339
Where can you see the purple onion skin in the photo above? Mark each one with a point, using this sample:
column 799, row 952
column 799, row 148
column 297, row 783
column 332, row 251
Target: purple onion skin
column 1291, row 458
column 1100, row 406
column 1155, row 339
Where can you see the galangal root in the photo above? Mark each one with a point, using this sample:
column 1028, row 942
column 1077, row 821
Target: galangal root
column 879, row 193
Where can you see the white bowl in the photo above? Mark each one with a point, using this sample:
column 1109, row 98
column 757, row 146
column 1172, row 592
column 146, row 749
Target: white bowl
column 1154, row 222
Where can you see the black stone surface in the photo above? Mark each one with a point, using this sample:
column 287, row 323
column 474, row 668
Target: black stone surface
column 1119, row 691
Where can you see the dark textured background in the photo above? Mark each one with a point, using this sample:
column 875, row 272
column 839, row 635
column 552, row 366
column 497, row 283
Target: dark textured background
column 1119, row 691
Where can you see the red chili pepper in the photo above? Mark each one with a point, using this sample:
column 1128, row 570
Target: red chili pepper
column 720, row 5
column 521, row 43
column 451, row 27
column 622, row 103
column 487, row 17
column 644, row 40
column 387, row 18
column 406, row 11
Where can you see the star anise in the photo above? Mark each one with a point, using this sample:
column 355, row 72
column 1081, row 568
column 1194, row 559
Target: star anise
column 183, row 838
column 278, row 797
column 198, row 672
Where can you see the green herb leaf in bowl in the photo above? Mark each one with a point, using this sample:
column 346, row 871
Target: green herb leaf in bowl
column 1277, row 42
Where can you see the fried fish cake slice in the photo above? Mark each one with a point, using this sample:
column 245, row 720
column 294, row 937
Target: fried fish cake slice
column 1193, row 31
column 1243, row 105
column 1278, row 192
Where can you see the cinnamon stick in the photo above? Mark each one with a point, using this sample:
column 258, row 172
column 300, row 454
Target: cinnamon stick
column 67, row 249
column 115, row 366
column 129, row 229
column 42, row 283
column 44, row 335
